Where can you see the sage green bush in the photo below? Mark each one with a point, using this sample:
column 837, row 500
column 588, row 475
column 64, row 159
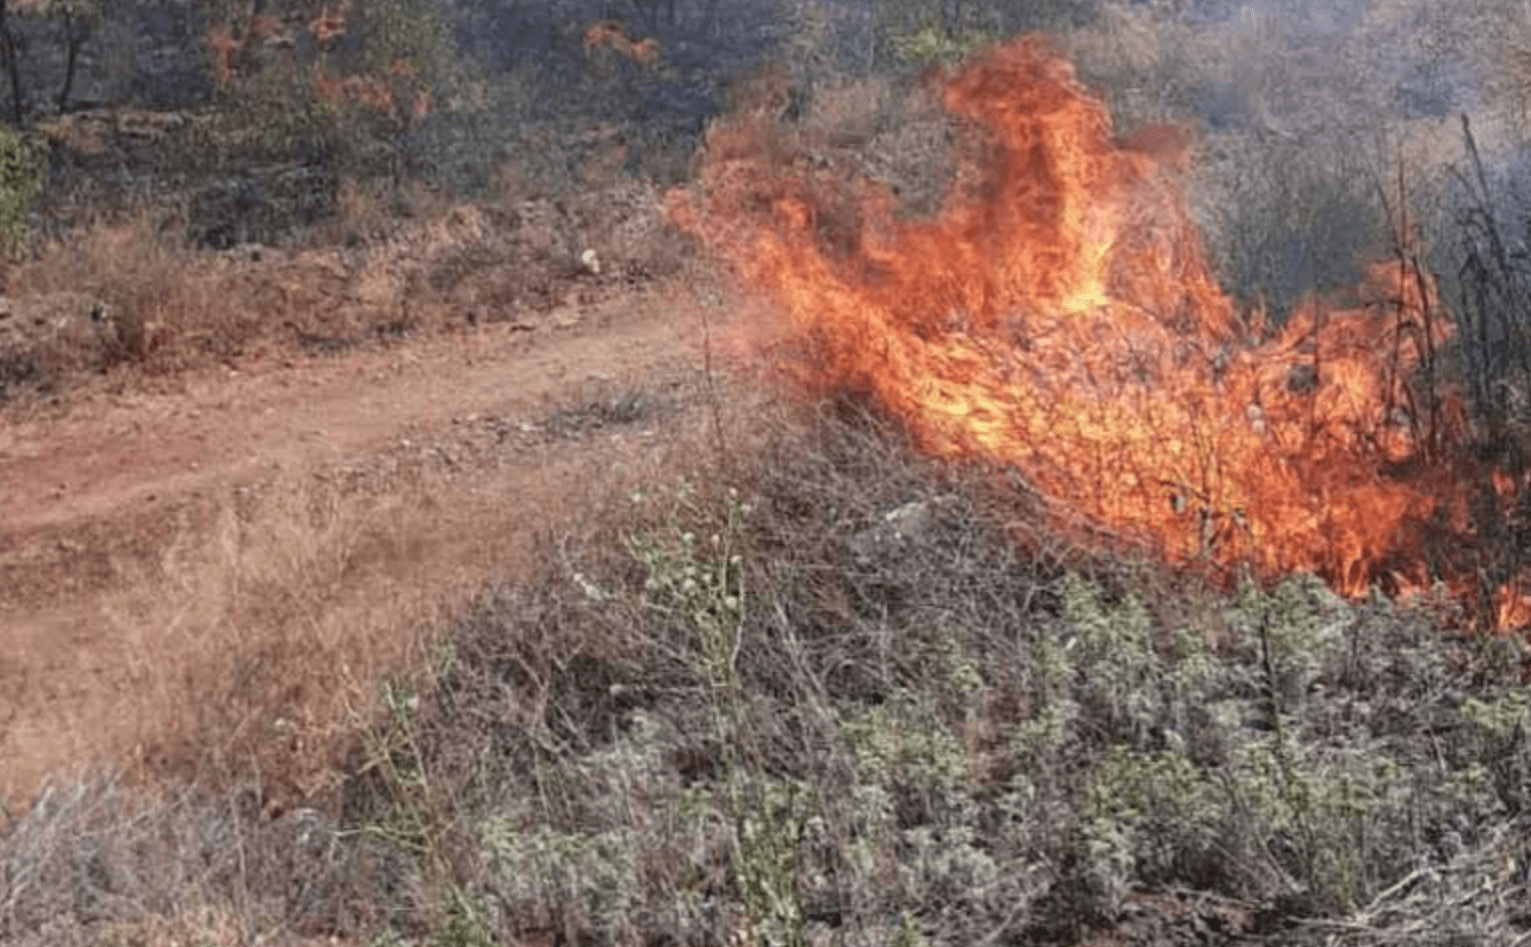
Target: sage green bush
column 21, row 180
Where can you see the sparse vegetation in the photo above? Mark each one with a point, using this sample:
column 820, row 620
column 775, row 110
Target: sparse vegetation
column 21, row 180
column 736, row 709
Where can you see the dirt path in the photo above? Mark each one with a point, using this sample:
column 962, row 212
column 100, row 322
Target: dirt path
column 299, row 505
column 112, row 451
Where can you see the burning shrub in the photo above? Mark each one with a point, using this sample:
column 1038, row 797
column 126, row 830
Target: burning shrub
column 1059, row 315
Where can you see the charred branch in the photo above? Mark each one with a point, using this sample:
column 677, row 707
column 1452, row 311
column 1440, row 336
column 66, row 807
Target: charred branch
column 76, row 32
column 10, row 45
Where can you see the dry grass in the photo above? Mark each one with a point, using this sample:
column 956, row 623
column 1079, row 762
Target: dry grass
column 101, row 862
column 808, row 688
column 252, row 666
column 245, row 639
column 243, row 647
column 822, row 689
column 130, row 295
column 947, row 730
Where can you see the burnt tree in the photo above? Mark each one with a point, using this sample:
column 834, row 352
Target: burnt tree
column 10, row 44
column 79, row 22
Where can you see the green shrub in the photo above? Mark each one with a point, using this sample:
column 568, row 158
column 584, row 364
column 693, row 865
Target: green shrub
column 541, row 872
column 21, row 180
column 931, row 45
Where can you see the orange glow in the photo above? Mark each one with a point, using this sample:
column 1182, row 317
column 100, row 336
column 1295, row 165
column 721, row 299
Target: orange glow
column 1513, row 609
column 330, row 24
column 374, row 92
column 224, row 47
column 336, row 91
column 1059, row 316
column 1504, row 486
column 612, row 35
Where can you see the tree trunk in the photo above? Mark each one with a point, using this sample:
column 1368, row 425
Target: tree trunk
column 8, row 60
column 75, row 41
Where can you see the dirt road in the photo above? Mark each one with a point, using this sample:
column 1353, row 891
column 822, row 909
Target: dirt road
column 174, row 552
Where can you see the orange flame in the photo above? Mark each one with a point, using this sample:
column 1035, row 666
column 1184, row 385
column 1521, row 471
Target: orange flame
column 337, row 90
column 1512, row 608
column 1059, row 315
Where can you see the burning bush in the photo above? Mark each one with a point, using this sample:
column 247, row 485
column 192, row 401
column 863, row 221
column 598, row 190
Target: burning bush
column 1059, row 315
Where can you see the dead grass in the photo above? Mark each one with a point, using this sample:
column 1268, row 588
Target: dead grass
column 131, row 296
column 820, row 689
column 101, row 862
column 947, row 728
column 811, row 690
column 255, row 662
column 243, row 646
column 245, row 639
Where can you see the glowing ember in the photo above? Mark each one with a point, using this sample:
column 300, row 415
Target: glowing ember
column 1059, row 315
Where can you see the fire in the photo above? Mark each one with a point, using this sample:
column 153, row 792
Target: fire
column 1059, row 315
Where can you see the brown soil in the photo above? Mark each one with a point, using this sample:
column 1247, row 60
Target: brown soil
column 157, row 535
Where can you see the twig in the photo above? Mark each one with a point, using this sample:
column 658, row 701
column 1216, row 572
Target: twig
column 712, row 393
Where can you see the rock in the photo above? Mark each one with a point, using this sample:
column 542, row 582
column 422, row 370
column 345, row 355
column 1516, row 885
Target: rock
column 900, row 526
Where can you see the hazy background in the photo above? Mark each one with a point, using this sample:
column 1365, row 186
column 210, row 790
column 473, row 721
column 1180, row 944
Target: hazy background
column 1307, row 111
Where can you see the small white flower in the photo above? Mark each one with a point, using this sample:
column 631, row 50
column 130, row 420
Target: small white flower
column 592, row 591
